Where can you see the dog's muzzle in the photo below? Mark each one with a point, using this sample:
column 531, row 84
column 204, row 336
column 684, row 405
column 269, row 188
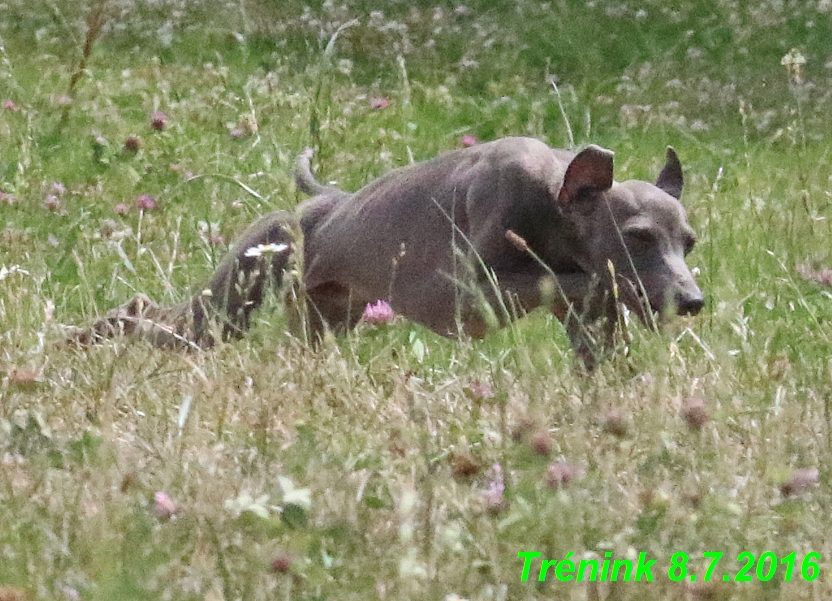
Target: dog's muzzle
column 683, row 302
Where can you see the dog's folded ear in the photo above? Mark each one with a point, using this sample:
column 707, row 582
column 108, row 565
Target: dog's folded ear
column 671, row 179
column 589, row 171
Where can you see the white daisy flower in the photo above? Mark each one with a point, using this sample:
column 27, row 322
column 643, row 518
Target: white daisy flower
column 265, row 249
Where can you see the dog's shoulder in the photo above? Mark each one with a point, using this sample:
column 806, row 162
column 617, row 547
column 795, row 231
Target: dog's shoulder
column 513, row 146
column 530, row 155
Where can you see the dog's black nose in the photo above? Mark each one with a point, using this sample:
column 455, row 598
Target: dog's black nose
column 690, row 305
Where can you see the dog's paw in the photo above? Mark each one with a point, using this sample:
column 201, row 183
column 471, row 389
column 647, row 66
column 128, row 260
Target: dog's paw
column 140, row 317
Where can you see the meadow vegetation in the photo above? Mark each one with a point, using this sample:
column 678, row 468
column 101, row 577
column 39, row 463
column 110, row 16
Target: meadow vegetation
column 137, row 138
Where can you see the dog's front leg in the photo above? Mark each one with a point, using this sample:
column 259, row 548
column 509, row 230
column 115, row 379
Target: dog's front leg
column 591, row 322
column 578, row 300
column 528, row 290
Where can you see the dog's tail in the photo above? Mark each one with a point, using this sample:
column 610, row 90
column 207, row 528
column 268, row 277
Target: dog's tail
column 304, row 179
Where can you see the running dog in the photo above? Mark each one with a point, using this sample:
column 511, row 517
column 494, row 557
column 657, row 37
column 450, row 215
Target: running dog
column 462, row 243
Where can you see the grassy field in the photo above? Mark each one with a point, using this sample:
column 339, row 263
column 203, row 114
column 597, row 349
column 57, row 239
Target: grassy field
column 393, row 464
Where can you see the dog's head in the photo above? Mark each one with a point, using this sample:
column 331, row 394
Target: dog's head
column 634, row 229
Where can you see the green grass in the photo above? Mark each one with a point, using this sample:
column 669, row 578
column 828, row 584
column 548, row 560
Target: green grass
column 378, row 427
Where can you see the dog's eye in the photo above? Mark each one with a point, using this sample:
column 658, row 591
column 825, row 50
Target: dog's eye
column 639, row 241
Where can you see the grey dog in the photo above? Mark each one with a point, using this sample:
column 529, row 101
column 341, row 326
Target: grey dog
column 461, row 243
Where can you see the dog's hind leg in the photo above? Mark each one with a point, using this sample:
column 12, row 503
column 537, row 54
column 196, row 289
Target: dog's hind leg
column 256, row 262
column 327, row 307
